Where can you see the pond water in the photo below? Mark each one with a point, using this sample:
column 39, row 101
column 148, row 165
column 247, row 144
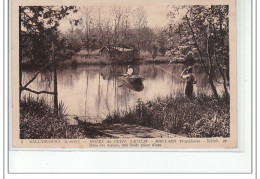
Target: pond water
column 96, row 91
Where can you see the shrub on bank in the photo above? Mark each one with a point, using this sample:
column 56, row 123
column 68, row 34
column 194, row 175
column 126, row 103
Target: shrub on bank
column 202, row 116
column 37, row 121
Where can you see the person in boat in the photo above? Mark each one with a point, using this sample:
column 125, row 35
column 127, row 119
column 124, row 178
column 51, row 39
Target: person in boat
column 130, row 70
column 190, row 80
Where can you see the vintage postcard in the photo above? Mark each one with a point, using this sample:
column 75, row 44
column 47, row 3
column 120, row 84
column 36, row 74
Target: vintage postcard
column 121, row 74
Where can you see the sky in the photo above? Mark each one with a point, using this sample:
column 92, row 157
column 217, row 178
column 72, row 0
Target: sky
column 156, row 11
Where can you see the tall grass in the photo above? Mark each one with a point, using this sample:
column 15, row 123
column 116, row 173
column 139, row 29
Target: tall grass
column 202, row 116
column 38, row 121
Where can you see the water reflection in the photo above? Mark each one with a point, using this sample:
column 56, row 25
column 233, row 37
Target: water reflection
column 99, row 90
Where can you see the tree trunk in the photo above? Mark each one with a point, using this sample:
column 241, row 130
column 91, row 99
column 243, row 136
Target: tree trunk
column 180, row 31
column 208, row 72
column 88, row 51
column 213, row 88
column 210, row 78
column 197, row 46
column 222, row 44
column 224, row 80
column 56, row 107
column 88, row 41
column 218, row 63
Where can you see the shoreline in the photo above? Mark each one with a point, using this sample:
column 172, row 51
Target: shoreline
column 78, row 60
column 199, row 117
column 75, row 62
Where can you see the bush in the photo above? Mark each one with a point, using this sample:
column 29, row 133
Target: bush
column 38, row 121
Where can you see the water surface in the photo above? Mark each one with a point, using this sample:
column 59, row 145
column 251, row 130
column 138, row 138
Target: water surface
column 96, row 91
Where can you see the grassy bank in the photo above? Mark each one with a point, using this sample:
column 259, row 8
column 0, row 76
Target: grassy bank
column 201, row 116
column 37, row 121
column 158, row 59
column 93, row 58
column 78, row 60
column 97, row 60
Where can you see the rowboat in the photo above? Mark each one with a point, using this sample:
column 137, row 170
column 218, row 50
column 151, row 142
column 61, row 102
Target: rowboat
column 133, row 82
column 132, row 78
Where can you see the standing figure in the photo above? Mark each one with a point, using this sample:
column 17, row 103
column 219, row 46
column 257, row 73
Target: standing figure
column 129, row 70
column 190, row 80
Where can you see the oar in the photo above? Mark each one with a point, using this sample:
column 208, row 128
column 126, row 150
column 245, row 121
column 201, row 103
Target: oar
column 170, row 73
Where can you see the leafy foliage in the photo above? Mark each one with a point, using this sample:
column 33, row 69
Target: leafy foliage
column 38, row 28
column 207, row 22
column 202, row 31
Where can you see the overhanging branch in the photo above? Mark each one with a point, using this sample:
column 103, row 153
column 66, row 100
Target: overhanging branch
column 196, row 44
column 38, row 92
column 29, row 82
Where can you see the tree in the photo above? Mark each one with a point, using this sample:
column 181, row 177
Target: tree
column 108, row 32
column 117, row 16
column 154, row 50
column 126, row 24
column 88, row 20
column 37, row 33
column 162, row 40
column 140, row 22
column 205, row 29
column 37, row 23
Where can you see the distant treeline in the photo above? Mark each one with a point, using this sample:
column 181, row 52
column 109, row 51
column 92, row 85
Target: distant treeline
column 123, row 26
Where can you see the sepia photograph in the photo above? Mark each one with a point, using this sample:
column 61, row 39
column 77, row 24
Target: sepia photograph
column 124, row 70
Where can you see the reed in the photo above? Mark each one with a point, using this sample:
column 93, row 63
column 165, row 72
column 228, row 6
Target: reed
column 38, row 121
column 201, row 116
